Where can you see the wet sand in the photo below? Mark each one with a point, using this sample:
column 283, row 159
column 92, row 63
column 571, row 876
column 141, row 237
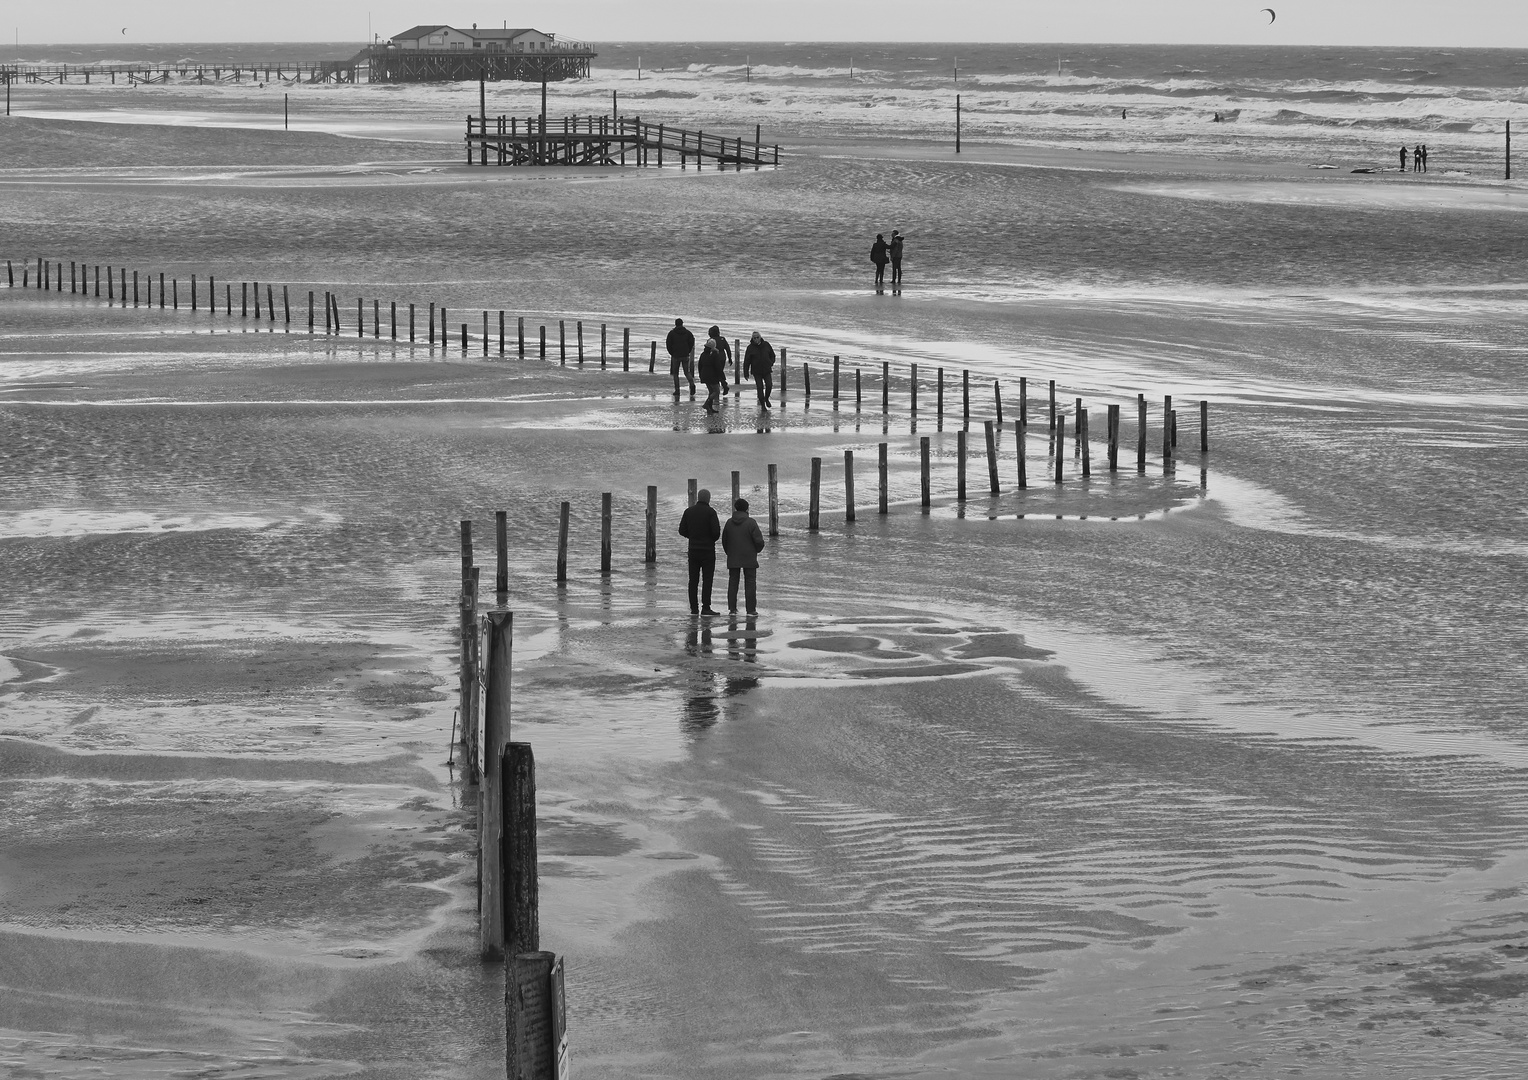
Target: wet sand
column 1210, row 775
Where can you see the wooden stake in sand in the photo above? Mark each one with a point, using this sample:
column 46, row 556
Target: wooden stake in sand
column 784, row 370
column 1113, row 438
column 965, row 396
column 603, row 329
column 848, row 485
column 579, row 328
column 737, row 489
column 1140, row 433
column 496, row 710
column 883, row 467
column 1060, row 446
column 520, row 336
column 1204, row 427
column 806, row 382
column 1053, row 404
column 562, row 342
column 997, row 399
column 939, row 397
column 693, row 486
column 857, row 397
column 605, row 525
column 1083, row 441
column 501, row 553
column 960, row 465
column 774, row 500
column 924, row 465
column 835, row 381
column 1167, row 434
column 521, row 891
column 814, row 505
column 411, row 323
column 913, row 392
column 650, row 550
column 625, row 348
column 1021, row 439
column 992, row 455
column 652, row 358
column 543, row 341
column 562, row 542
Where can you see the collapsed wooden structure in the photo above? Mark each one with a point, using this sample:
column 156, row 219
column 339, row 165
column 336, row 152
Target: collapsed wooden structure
column 605, row 140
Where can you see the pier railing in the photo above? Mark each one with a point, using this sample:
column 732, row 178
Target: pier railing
column 606, row 140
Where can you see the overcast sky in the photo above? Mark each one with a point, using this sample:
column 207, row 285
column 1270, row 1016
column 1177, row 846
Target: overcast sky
column 1309, row 22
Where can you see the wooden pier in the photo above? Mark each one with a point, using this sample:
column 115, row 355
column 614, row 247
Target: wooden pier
column 559, row 61
column 605, row 140
column 277, row 71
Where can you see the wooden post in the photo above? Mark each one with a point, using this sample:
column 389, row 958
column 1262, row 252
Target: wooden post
column 1167, row 433
column 997, row 398
column 562, row 542
column 1023, row 400
column 1060, row 445
column 1204, row 427
column 774, row 501
column 520, row 336
column 965, row 396
column 848, row 485
column 737, row 489
column 835, row 380
column 1053, row 404
column 923, row 455
column 992, row 456
column 957, row 123
column 535, row 1027
column 466, row 539
column 784, row 370
column 501, row 331
column 885, row 387
column 692, row 486
column 1021, row 440
column 602, row 345
column 501, row 550
column 543, row 341
column 625, row 348
column 652, row 358
column 492, row 809
column 376, row 320
column 286, row 310
column 485, row 333
column 1113, row 438
column 580, row 331
column 1083, row 441
column 243, row 296
column 883, row 468
column 605, row 516
column 806, row 381
column 913, row 383
column 1175, row 431
column 650, row 553
column 814, row 506
column 1140, row 433
column 174, row 292
column 464, row 339
column 562, row 342
column 411, row 323
column 939, row 396
column 432, row 325
column 1509, row 151
column 960, row 465
column 856, row 391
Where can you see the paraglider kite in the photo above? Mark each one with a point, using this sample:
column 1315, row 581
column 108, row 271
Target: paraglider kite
column 1272, row 15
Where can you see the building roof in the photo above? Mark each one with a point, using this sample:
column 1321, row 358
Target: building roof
column 487, row 34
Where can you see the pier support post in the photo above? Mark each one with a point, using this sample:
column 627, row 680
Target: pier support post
column 650, row 550
column 603, row 330
column 814, row 505
column 774, row 500
column 492, row 809
column 562, row 542
column 992, row 455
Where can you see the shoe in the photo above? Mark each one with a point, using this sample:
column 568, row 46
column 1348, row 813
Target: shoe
column 752, row 612
column 708, row 611
column 732, row 611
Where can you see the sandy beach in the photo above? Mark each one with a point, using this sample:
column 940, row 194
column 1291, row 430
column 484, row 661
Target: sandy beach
column 1216, row 772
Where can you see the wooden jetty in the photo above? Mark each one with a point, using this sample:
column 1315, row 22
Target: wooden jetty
column 605, row 140
column 278, row 71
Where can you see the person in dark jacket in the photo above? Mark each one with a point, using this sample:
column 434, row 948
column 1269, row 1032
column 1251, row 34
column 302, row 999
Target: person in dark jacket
column 759, row 364
column 710, row 365
column 681, row 349
column 895, row 251
column 742, row 541
column 879, row 252
column 702, row 528
column 715, row 334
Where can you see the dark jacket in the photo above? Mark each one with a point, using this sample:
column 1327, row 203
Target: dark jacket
column 878, row 253
column 711, row 369
column 896, row 248
column 701, row 527
column 680, row 342
column 758, row 359
column 742, row 541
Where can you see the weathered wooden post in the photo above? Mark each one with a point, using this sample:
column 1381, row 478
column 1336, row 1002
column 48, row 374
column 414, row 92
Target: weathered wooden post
column 1060, row 446
column 883, row 467
column 466, row 536
column 1084, row 442
column 501, row 332
column 432, row 325
column 501, row 546
column 997, row 398
column 626, row 348
column 469, row 678
column 992, row 456
column 848, row 485
column 814, row 505
column 535, row 1017
column 965, row 396
column 885, row 387
column 1140, row 433
column 835, row 380
column 857, row 391
column 562, row 342
column 1204, row 427
column 939, row 397
column 784, row 370
column 543, row 341
column 411, row 324
column 492, row 809
column 605, row 522
column 652, row 358
column 960, row 465
column 737, row 489
column 1021, row 440
column 562, row 542
column 650, row 553
column 1167, row 433
column 580, row 331
column 806, row 382
column 1113, row 438
column 1053, row 404
column 924, row 464
column 520, row 336
column 692, row 486
column 774, row 501
column 603, row 337
column 1024, row 400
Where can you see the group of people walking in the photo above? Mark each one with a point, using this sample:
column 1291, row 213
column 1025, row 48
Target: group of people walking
column 885, row 251
column 716, row 354
column 741, row 540
column 1418, row 158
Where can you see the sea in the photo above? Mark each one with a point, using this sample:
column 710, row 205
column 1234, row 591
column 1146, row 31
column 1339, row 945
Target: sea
column 1215, row 767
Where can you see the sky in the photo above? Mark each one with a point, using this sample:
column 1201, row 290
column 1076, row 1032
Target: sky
column 1299, row 22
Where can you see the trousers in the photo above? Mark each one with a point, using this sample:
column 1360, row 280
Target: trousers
column 750, row 575
column 702, row 573
column 764, row 383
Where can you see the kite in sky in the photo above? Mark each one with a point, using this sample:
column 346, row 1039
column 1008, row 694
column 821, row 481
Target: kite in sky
column 1272, row 15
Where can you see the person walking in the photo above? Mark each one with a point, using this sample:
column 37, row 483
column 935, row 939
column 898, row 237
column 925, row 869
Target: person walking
column 681, row 349
column 1403, row 158
column 895, row 250
column 742, row 541
column 702, row 528
column 878, row 255
column 711, row 374
column 759, row 364
column 1424, row 157
column 1416, row 158
column 715, row 334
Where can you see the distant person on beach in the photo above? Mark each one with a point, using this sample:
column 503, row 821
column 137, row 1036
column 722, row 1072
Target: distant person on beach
column 1124, row 114
column 879, row 252
column 681, row 349
column 711, row 373
column 1424, row 157
column 895, row 250
column 742, row 541
column 1416, row 158
column 715, row 334
column 1403, row 159
column 759, row 364
column 702, row 528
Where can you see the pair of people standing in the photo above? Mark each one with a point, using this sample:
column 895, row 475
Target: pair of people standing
column 741, row 539
column 884, row 251
column 1418, row 158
